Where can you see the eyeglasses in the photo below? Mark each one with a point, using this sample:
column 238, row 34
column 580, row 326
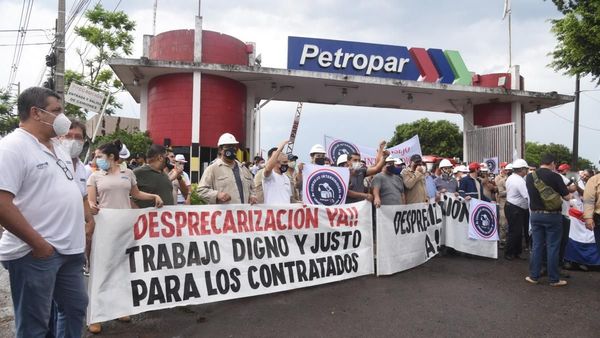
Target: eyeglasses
column 64, row 168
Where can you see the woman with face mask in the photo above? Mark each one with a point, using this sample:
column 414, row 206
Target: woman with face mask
column 110, row 187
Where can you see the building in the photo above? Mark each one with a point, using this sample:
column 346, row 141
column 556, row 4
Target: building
column 109, row 124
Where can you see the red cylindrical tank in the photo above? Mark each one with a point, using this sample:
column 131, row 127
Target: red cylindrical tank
column 223, row 101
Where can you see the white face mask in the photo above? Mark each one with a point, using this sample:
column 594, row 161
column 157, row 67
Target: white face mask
column 74, row 147
column 60, row 125
column 356, row 165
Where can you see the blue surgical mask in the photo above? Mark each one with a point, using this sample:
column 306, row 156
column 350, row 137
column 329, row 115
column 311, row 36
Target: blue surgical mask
column 102, row 164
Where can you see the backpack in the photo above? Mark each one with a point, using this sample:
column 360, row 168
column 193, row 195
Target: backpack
column 550, row 198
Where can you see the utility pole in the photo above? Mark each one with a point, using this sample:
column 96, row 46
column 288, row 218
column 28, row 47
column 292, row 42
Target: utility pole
column 59, row 75
column 576, row 126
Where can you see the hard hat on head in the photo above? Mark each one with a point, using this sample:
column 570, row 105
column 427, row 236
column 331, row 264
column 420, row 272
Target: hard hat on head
column 124, row 152
column 484, row 167
column 227, row 138
column 445, row 163
column 474, row 166
column 390, row 159
column 317, row 149
column 343, row 158
column 519, row 164
column 503, row 164
column 398, row 161
column 464, row 169
column 509, row 166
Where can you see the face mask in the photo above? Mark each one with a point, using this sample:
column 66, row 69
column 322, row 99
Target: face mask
column 229, row 154
column 73, row 146
column 356, row 165
column 283, row 168
column 292, row 164
column 60, row 125
column 102, row 164
column 393, row 170
column 320, row 160
column 168, row 164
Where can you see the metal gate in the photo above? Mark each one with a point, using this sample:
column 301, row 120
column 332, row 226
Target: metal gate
column 491, row 142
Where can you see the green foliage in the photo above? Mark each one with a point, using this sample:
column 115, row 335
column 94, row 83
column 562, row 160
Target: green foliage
column 442, row 138
column 8, row 120
column 534, row 152
column 136, row 141
column 578, row 36
column 109, row 36
column 195, row 198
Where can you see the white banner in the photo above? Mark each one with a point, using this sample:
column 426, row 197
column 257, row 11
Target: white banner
column 150, row 259
column 404, row 150
column 85, row 97
column 324, row 185
column 492, row 164
column 407, row 236
column 483, row 223
column 456, row 229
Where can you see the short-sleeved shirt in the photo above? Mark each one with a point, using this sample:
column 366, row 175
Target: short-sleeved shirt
column 446, row 182
column 153, row 182
column 356, row 183
column 50, row 201
column 112, row 191
column 516, row 191
column 277, row 189
column 81, row 176
column 552, row 179
column 177, row 195
column 391, row 188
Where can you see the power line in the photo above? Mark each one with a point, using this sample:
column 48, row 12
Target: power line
column 26, row 30
column 566, row 119
column 23, row 27
column 27, row 44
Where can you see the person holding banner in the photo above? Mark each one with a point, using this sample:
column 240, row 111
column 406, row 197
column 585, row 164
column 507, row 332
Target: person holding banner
column 42, row 212
column 516, row 209
column 388, row 187
column 470, row 186
column 445, row 182
column 591, row 207
column 226, row 180
column 276, row 185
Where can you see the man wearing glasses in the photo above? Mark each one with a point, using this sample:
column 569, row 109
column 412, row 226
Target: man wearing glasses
column 43, row 214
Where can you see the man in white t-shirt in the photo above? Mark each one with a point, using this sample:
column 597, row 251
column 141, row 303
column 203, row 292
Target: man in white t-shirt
column 276, row 184
column 42, row 211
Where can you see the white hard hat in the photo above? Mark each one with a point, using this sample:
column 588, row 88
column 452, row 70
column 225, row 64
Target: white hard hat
column 520, row 163
column 456, row 169
column 342, row 159
column 484, row 167
column 317, row 149
column 509, row 166
column 398, row 161
column 445, row 163
column 227, row 138
column 464, row 169
column 124, row 152
column 180, row 158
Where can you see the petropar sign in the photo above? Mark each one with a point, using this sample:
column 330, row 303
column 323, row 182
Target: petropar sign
column 367, row 59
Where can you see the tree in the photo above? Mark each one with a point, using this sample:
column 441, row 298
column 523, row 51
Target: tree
column 8, row 120
column 578, row 33
column 136, row 141
column 442, row 138
column 534, row 152
column 108, row 35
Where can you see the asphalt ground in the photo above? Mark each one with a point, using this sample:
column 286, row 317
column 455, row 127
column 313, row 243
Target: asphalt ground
column 450, row 296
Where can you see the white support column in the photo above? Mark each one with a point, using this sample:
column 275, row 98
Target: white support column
column 250, row 122
column 517, row 116
column 468, row 125
column 196, row 104
column 144, row 107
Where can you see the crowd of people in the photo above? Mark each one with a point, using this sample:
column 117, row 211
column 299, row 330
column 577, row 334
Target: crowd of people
column 49, row 221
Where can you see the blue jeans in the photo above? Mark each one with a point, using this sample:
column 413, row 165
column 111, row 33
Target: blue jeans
column 546, row 229
column 35, row 283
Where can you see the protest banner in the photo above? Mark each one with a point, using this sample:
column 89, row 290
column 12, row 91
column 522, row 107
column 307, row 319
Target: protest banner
column 492, row 164
column 456, row 227
column 581, row 247
column 151, row 259
column 336, row 147
column 323, row 185
column 483, row 223
column 407, row 236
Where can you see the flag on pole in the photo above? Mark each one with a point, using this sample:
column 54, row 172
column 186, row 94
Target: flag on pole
column 506, row 9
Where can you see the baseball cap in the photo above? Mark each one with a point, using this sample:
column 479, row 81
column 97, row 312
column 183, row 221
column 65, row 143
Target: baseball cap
column 564, row 167
column 292, row 157
column 474, row 166
column 180, row 158
column 503, row 164
column 416, row 158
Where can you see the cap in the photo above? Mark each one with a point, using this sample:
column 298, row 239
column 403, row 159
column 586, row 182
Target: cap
column 292, row 157
column 503, row 164
column 563, row 167
column 520, row 163
column 180, row 158
column 416, row 158
column 317, row 149
column 343, row 158
column 445, row 163
column 124, row 152
column 474, row 166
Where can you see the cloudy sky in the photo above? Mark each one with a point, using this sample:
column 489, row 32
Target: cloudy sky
column 473, row 27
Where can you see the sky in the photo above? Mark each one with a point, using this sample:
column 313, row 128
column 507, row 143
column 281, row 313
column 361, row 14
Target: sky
column 473, row 27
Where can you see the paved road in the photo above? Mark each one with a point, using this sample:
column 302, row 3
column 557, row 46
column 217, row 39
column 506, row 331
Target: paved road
column 450, row 296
